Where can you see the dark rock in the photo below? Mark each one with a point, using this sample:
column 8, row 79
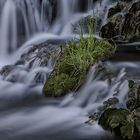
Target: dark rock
column 42, row 53
column 111, row 102
column 116, row 9
column 133, row 96
column 123, row 122
column 6, row 70
column 124, row 25
column 119, row 121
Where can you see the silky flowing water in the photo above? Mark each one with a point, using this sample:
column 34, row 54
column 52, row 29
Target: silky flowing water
column 25, row 114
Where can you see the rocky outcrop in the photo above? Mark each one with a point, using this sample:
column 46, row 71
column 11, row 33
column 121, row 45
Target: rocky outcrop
column 123, row 22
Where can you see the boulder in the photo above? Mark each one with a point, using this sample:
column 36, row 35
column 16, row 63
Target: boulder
column 119, row 121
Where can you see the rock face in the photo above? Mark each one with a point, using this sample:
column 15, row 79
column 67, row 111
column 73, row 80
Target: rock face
column 123, row 22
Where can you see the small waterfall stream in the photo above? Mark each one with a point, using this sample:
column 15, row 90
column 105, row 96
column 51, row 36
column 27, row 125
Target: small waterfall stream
column 24, row 112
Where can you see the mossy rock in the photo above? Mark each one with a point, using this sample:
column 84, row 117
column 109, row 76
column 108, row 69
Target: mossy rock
column 133, row 101
column 71, row 68
column 123, row 22
column 119, row 121
column 117, row 8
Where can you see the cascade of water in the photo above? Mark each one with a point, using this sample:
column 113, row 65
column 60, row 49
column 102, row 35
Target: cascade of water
column 34, row 16
column 8, row 36
column 25, row 113
column 72, row 111
column 20, row 20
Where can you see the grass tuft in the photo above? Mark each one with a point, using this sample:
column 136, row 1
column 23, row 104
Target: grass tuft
column 71, row 69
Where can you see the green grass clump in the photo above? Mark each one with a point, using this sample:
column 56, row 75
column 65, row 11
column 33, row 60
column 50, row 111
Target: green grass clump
column 71, row 69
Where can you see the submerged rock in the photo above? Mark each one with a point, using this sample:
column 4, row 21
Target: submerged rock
column 6, row 70
column 41, row 54
column 37, row 61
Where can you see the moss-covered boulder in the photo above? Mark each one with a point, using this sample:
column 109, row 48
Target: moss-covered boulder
column 71, row 68
column 119, row 121
column 125, row 122
column 122, row 122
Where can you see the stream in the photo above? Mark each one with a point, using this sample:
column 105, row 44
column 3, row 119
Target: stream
column 25, row 114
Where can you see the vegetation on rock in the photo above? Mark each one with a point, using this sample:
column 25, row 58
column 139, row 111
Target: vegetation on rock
column 72, row 66
column 119, row 121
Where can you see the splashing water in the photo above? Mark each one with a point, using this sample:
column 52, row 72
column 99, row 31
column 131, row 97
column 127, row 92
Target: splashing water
column 37, row 120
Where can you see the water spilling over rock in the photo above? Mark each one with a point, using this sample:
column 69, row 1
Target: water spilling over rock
column 31, row 35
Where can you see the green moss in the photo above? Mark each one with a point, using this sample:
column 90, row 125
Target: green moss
column 119, row 121
column 71, row 68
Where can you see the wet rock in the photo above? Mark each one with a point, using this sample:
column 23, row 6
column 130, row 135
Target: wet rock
column 41, row 54
column 82, row 24
column 33, row 61
column 119, row 121
column 124, row 24
column 111, row 102
column 108, row 104
column 131, row 25
column 113, row 28
column 125, row 122
column 116, row 9
column 6, row 70
column 133, row 96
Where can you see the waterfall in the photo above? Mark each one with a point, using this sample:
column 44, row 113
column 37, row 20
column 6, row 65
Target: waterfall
column 24, row 112
column 20, row 20
column 8, row 35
